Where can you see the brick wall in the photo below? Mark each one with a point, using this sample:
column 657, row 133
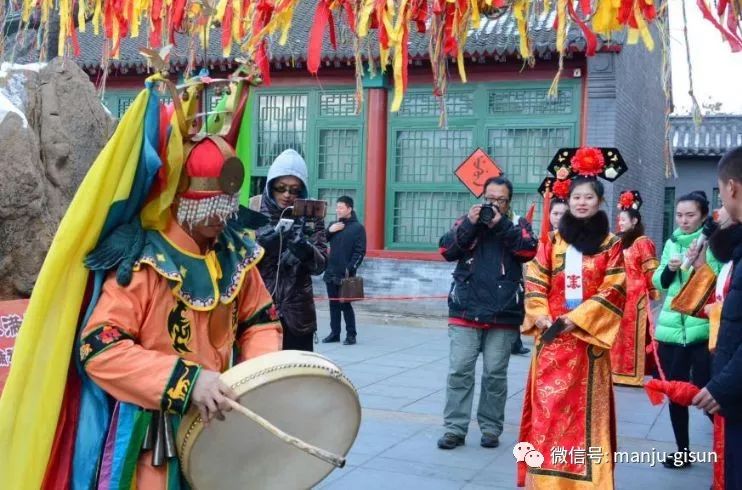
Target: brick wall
column 626, row 110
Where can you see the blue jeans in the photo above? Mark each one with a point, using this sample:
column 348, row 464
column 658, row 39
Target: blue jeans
column 496, row 345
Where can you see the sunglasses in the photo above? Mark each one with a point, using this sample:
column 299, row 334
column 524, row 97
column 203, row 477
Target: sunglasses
column 294, row 191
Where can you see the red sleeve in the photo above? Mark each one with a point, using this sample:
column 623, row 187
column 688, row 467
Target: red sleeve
column 649, row 264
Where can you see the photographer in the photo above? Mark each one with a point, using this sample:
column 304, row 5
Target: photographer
column 294, row 255
column 486, row 309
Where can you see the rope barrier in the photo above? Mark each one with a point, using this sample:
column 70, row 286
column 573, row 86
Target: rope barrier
column 381, row 298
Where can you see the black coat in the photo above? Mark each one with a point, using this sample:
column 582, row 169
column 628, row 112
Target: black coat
column 487, row 281
column 726, row 382
column 294, row 297
column 347, row 249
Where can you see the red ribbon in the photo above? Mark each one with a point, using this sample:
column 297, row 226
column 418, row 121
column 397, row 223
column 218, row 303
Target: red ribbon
column 734, row 41
column 316, row 35
column 679, row 392
column 227, row 25
column 545, row 224
column 591, row 40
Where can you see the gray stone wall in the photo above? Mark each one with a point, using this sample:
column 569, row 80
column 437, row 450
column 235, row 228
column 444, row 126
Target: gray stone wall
column 626, row 110
column 694, row 174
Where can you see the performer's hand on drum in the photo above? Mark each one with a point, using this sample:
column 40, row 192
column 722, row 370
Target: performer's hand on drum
column 211, row 395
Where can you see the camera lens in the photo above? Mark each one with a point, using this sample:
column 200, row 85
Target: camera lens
column 486, row 215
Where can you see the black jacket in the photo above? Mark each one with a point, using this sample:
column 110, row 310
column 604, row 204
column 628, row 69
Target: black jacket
column 347, row 249
column 487, row 281
column 726, row 383
column 293, row 297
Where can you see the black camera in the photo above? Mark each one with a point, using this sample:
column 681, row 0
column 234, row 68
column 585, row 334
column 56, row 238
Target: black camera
column 487, row 213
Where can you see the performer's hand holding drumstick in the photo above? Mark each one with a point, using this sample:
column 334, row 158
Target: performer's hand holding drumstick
column 211, row 396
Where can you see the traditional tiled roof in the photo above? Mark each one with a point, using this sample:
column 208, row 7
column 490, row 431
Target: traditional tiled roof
column 712, row 138
column 495, row 38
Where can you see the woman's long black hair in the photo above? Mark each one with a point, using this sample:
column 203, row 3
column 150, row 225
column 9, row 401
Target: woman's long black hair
column 629, row 237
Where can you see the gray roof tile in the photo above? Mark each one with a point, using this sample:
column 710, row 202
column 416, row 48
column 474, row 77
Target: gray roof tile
column 713, row 138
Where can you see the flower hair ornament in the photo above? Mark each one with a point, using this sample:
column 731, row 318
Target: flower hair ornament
column 558, row 188
column 570, row 163
column 630, row 200
column 590, row 162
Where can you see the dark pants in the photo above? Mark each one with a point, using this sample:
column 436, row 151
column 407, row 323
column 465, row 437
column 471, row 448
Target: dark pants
column 733, row 455
column 337, row 308
column 518, row 344
column 684, row 363
column 292, row 341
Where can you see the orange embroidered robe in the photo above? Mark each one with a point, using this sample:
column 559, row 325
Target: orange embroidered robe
column 628, row 355
column 146, row 343
column 568, row 409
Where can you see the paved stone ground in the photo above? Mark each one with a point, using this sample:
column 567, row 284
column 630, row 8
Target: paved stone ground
column 400, row 373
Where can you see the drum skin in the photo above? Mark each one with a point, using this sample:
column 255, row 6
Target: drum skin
column 302, row 393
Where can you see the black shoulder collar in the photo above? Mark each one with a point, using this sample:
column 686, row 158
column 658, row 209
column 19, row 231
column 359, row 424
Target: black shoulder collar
column 586, row 235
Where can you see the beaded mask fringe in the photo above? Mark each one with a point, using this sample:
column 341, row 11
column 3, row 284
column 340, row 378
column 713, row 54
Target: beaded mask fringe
column 191, row 212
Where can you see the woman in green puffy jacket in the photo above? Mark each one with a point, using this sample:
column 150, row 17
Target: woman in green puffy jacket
column 682, row 340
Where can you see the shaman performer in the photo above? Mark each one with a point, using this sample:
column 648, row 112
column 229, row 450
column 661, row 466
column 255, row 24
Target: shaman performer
column 156, row 236
column 575, row 291
column 628, row 355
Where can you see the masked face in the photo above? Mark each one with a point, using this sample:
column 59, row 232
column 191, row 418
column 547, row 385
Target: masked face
column 210, row 228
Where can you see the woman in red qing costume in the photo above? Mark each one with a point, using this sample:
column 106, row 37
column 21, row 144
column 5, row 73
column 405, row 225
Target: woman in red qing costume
column 575, row 291
column 628, row 354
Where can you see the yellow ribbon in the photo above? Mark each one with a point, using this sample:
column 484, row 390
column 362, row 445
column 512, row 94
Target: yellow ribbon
column 212, row 264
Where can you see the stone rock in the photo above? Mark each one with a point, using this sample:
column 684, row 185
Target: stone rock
column 49, row 141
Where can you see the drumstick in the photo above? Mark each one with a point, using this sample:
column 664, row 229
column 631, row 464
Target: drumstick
column 325, row 456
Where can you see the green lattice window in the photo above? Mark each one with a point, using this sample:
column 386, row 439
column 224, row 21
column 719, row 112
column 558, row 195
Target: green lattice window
column 514, row 123
column 668, row 222
column 524, row 153
column 282, row 124
column 530, row 102
column 117, row 101
column 331, row 196
column 337, row 105
column 338, row 155
column 426, row 156
column 424, row 104
column 420, row 218
column 332, row 145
